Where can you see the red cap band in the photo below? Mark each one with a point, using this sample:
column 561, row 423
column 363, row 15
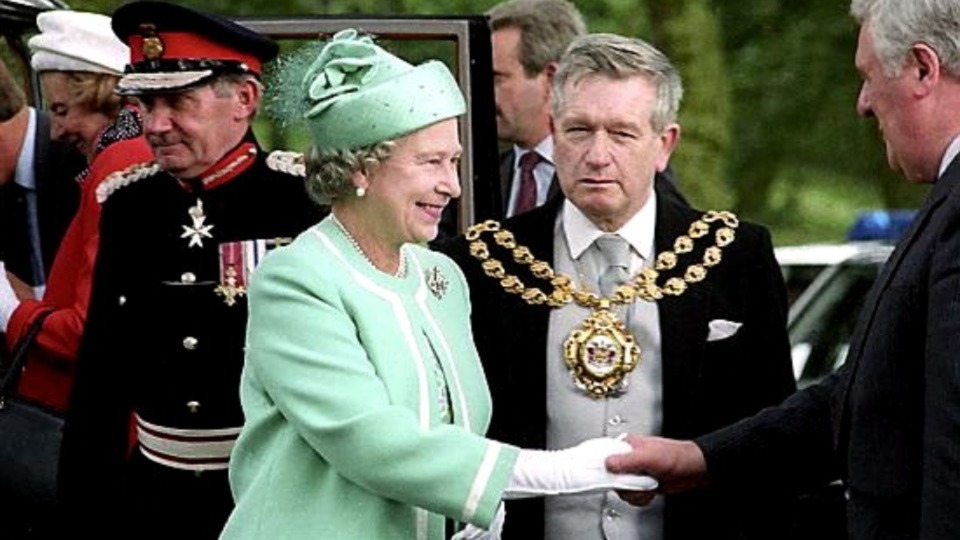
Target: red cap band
column 189, row 46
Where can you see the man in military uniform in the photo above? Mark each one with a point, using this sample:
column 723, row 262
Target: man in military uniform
column 180, row 236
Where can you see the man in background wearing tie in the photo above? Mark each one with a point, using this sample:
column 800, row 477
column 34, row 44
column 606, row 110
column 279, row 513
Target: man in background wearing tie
column 697, row 344
column 38, row 194
column 529, row 36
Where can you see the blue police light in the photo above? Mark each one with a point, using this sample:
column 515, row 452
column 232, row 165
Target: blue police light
column 881, row 224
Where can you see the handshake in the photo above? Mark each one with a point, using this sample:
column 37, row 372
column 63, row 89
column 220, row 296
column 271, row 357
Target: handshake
column 638, row 468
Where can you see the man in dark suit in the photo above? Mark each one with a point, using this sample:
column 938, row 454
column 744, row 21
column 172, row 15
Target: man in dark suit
column 38, row 195
column 528, row 38
column 712, row 350
column 889, row 420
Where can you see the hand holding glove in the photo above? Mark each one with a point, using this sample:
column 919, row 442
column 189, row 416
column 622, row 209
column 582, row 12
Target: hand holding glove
column 579, row 469
column 8, row 299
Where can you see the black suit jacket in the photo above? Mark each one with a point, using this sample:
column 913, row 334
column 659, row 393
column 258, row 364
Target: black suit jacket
column 889, row 420
column 56, row 166
column 705, row 384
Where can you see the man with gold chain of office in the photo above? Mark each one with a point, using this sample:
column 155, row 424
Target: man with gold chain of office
column 619, row 309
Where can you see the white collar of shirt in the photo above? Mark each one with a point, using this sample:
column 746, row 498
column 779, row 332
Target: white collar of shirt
column 24, row 172
column 544, row 148
column 949, row 155
column 638, row 231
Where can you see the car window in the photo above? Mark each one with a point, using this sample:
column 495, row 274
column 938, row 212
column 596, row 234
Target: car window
column 822, row 321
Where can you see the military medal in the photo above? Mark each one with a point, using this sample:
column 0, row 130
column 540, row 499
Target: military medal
column 197, row 230
column 232, row 273
column 238, row 260
column 601, row 352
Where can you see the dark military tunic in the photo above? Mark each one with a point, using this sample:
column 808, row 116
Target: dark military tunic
column 162, row 344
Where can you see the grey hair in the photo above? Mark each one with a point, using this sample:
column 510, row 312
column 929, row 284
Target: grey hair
column 619, row 57
column 226, row 84
column 897, row 25
column 330, row 172
column 546, row 29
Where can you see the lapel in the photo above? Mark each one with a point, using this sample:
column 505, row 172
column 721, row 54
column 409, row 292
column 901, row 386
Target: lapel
column 941, row 189
column 683, row 320
column 506, row 176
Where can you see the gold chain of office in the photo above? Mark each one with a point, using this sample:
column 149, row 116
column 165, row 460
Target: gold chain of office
column 601, row 352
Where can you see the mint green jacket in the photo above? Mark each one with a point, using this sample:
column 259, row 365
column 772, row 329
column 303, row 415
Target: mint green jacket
column 344, row 437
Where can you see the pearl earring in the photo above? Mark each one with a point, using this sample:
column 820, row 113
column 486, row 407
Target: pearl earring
column 361, row 192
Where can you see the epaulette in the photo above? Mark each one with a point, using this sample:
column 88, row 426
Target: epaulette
column 127, row 176
column 287, row 162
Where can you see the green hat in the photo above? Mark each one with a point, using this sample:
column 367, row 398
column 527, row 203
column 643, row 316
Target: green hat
column 359, row 94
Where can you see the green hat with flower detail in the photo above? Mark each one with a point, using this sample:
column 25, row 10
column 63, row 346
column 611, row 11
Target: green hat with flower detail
column 354, row 93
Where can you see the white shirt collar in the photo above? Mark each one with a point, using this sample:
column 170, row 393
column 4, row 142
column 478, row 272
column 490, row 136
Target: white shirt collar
column 949, row 155
column 544, row 148
column 638, row 231
column 23, row 175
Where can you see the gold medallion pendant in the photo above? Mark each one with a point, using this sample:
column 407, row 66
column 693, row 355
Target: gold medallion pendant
column 600, row 354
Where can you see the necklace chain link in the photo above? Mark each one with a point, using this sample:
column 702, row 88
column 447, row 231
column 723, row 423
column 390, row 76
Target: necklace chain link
column 643, row 286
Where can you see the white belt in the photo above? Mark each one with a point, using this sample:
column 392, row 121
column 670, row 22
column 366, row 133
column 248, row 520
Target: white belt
column 186, row 449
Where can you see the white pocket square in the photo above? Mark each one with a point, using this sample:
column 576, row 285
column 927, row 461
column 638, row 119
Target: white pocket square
column 722, row 329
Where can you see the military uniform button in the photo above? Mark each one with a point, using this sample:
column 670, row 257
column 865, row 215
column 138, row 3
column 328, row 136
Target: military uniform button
column 190, row 343
column 121, row 300
column 188, row 277
column 193, row 406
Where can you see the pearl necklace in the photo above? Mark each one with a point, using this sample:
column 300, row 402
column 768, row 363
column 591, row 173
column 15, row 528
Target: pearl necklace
column 401, row 268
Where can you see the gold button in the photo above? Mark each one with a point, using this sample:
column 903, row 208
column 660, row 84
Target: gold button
column 190, row 343
column 122, row 300
column 188, row 277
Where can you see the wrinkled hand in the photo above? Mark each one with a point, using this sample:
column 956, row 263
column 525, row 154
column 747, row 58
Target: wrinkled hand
column 8, row 299
column 580, row 469
column 472, row 532
column 677, row 465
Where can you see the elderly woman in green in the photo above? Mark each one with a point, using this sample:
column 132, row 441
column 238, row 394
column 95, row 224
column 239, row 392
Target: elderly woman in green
column 365, row 402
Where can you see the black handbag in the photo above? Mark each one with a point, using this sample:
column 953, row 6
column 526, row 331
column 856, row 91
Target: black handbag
column 30, row 436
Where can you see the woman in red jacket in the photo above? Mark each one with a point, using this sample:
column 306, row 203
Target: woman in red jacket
column 80, row 61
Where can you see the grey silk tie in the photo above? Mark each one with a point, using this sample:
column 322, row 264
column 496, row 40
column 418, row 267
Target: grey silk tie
column 615, row 254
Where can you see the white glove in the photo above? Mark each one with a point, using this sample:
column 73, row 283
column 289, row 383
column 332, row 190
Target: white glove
column 8, row 299
column 579, row 469
column 472, row 532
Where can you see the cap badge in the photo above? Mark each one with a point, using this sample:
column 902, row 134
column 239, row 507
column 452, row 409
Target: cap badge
column 152, row 47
